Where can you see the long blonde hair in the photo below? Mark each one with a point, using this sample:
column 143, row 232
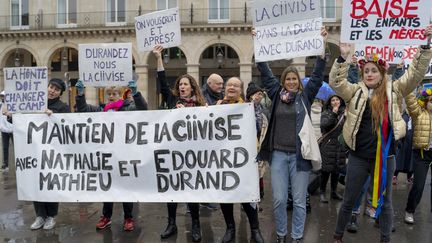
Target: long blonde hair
column 378, row 99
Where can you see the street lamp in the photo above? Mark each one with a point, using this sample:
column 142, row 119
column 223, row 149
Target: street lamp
column 166, row 57
column 64, row 55
column 17, row 60
column 219, row 55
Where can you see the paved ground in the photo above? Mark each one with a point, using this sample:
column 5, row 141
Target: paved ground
column 76, row 222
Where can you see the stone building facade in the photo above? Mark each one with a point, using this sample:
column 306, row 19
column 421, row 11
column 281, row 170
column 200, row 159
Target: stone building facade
column 48, row 32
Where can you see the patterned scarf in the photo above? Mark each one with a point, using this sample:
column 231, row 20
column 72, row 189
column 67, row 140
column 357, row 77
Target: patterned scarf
column 380, row 171
column 187, row 102
column 287, row 96
column 114, row 106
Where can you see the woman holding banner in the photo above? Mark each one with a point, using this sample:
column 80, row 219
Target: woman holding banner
column 46, row 211
column 186, row 93
column 373, row 103
column 281, row 147
column 115, row 103
column 234, row 95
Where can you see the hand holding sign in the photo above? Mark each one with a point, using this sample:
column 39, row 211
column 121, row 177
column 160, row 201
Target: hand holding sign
column 428, row 33
column 345, row 49
column 80, row 87
column 324, row 34
column 132, row 85
column 157, row 51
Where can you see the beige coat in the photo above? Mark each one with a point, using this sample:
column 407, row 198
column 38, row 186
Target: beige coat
column 421, row 121
column 356, row 95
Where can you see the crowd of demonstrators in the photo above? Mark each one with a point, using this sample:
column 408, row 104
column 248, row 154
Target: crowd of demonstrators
column 332, row 154
column 373, row 103
column 234, row 89
column 282, row 148
column 7, row 135
column 186, row 93
column 420, row 110
column 115, row 103
column 47, row 211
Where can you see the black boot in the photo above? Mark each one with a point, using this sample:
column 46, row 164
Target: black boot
column 256, row 236
column 280, row 239
column 352, row 226
column 229, row 234
column 196, row 230
column 170, row 230
column 336, row 196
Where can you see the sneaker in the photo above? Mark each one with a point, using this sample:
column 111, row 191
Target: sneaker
column 128, row 224
column 370, row 211
column 38, row 223
column 394, row 181
column 209, row 206
column 352, row 226
column 103, row 223
column 409, row 218
column 49, row 223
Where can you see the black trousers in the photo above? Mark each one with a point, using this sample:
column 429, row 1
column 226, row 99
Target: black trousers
column 5, row 141
column 46, row 209
column 108, row 209
column 421, row 167
column 333, row 181
column 228, row 213
column 193, row 207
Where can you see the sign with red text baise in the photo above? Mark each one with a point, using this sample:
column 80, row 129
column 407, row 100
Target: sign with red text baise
column 392, row 22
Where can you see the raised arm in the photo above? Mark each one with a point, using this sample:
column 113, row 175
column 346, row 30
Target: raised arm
column 81, row 102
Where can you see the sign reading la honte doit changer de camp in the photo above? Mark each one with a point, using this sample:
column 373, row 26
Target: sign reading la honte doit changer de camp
column 202, row 154
column 26, row 89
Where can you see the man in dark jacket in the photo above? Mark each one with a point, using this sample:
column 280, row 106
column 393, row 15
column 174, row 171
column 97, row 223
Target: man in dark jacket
column 213, row 90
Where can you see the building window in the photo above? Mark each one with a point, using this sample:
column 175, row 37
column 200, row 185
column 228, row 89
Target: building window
column 328, row 8
column 218, row 11
column 116, row 12
column 66, row 13
column 166, row 4
column 19, row 14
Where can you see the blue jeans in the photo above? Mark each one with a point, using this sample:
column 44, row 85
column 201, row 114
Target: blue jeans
column 284, row 172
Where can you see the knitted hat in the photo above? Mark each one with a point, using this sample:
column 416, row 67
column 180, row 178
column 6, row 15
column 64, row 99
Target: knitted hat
column 423, row 97
column 252, row 89
column 59, row 84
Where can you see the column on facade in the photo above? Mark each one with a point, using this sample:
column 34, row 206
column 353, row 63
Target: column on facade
column 300, row 64
column 193, row 70
column 246, row 73
column 1, row 80
column 142, row 82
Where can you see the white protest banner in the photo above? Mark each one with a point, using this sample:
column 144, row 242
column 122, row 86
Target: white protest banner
column 202, row 154
column 287, row 29
column 158, row 28
column 105, row 64
column 391, row 22
column 26, row 89
column 392, row 54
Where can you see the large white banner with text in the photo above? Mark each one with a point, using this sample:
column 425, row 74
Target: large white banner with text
column 203, row 154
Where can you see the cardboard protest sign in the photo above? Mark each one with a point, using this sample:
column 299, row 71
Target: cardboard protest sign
column 26, row 89
column 202, row 154
column 158, row 28
column 105, row 64
column 287, row 29
column 391, row 22
column 393, row 54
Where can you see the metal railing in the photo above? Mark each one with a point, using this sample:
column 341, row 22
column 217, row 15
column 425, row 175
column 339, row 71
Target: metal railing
column 189, row 16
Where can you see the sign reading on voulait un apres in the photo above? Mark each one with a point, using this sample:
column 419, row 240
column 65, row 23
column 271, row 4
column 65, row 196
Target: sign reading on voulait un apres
column 201, row 154
column 286, row 29
column 390, row 22
column 105, row 64
column 158, row 28
column 26, row 89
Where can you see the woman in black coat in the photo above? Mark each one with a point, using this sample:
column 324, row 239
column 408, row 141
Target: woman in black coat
column 332, row 154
